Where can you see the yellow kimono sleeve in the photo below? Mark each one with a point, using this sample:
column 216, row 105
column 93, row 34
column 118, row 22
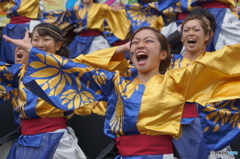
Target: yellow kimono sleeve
column 117, row 21
column 29, row 8
column 99, row 109
column 104, row 59
column 215, row 76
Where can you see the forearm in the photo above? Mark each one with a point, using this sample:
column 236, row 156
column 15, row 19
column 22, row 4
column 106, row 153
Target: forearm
column 110, row 59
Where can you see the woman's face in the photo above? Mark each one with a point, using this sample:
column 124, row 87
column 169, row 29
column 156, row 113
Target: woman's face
column 146, row 51
column 193, row 37
column 21, row 56
column 45, row 43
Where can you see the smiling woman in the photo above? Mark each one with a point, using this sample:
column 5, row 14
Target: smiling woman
column 44, row 130
column 195, row 36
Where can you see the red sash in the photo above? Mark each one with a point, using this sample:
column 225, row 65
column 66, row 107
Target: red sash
column 190, row 110
column 42, row 125
column 134, row 145
column 215, row 5
column 19, row 20
column 182, row 16
column 91, row 32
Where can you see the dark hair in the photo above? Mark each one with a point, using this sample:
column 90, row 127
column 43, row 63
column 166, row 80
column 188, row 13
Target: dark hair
column 202, row 22
column 202, row 12
column 47, row 29
column 164, row 65
column 94, row 1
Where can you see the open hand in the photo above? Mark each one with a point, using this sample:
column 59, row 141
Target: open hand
column 24, row 43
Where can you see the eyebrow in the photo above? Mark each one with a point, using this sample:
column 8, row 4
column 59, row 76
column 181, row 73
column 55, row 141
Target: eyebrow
column 191, row 27
column 145, row 37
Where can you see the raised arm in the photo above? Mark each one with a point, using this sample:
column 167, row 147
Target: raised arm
column 63, row 83
column 110, row 59
column 215, row 77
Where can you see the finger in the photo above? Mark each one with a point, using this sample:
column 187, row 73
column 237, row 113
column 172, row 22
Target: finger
column 26, row 37
column 7, row 38
column 13, row 41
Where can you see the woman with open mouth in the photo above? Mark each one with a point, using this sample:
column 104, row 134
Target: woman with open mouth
column 196, row 33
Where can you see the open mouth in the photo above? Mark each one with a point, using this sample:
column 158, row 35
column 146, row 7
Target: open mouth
column 19, row 55
column 142, row 57
column 192, row 41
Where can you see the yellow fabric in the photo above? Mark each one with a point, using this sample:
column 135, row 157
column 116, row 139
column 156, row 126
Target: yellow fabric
column 158, row 24
column 5, row 6
column 99, row 109
column 211, row 78
column 104, row 59
column 180, row 63
column 27, row 8
column 117, row 21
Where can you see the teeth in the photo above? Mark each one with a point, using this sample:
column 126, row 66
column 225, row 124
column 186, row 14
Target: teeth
column 140, row 53
column 18, row 53
column 191, row 40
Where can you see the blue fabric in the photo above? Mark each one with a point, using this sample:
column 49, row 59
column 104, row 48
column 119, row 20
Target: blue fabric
column 164, row 4
column 191, row 144
column 61, row 18
column 141, row 16
column 218, row 14
column 176, row 57
column 15, row 31
column 187, row 121
column 30, row 140
column 133, row 112
column 15, row 8
column 45, row 150
column 9, row 73
column 184, row 6
column 80, row 45
column 220, row 123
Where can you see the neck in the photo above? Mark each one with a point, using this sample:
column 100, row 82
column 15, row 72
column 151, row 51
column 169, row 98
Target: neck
column 193, row 55
column 144, row 77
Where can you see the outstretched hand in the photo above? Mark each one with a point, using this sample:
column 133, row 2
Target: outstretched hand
column 24, row 43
